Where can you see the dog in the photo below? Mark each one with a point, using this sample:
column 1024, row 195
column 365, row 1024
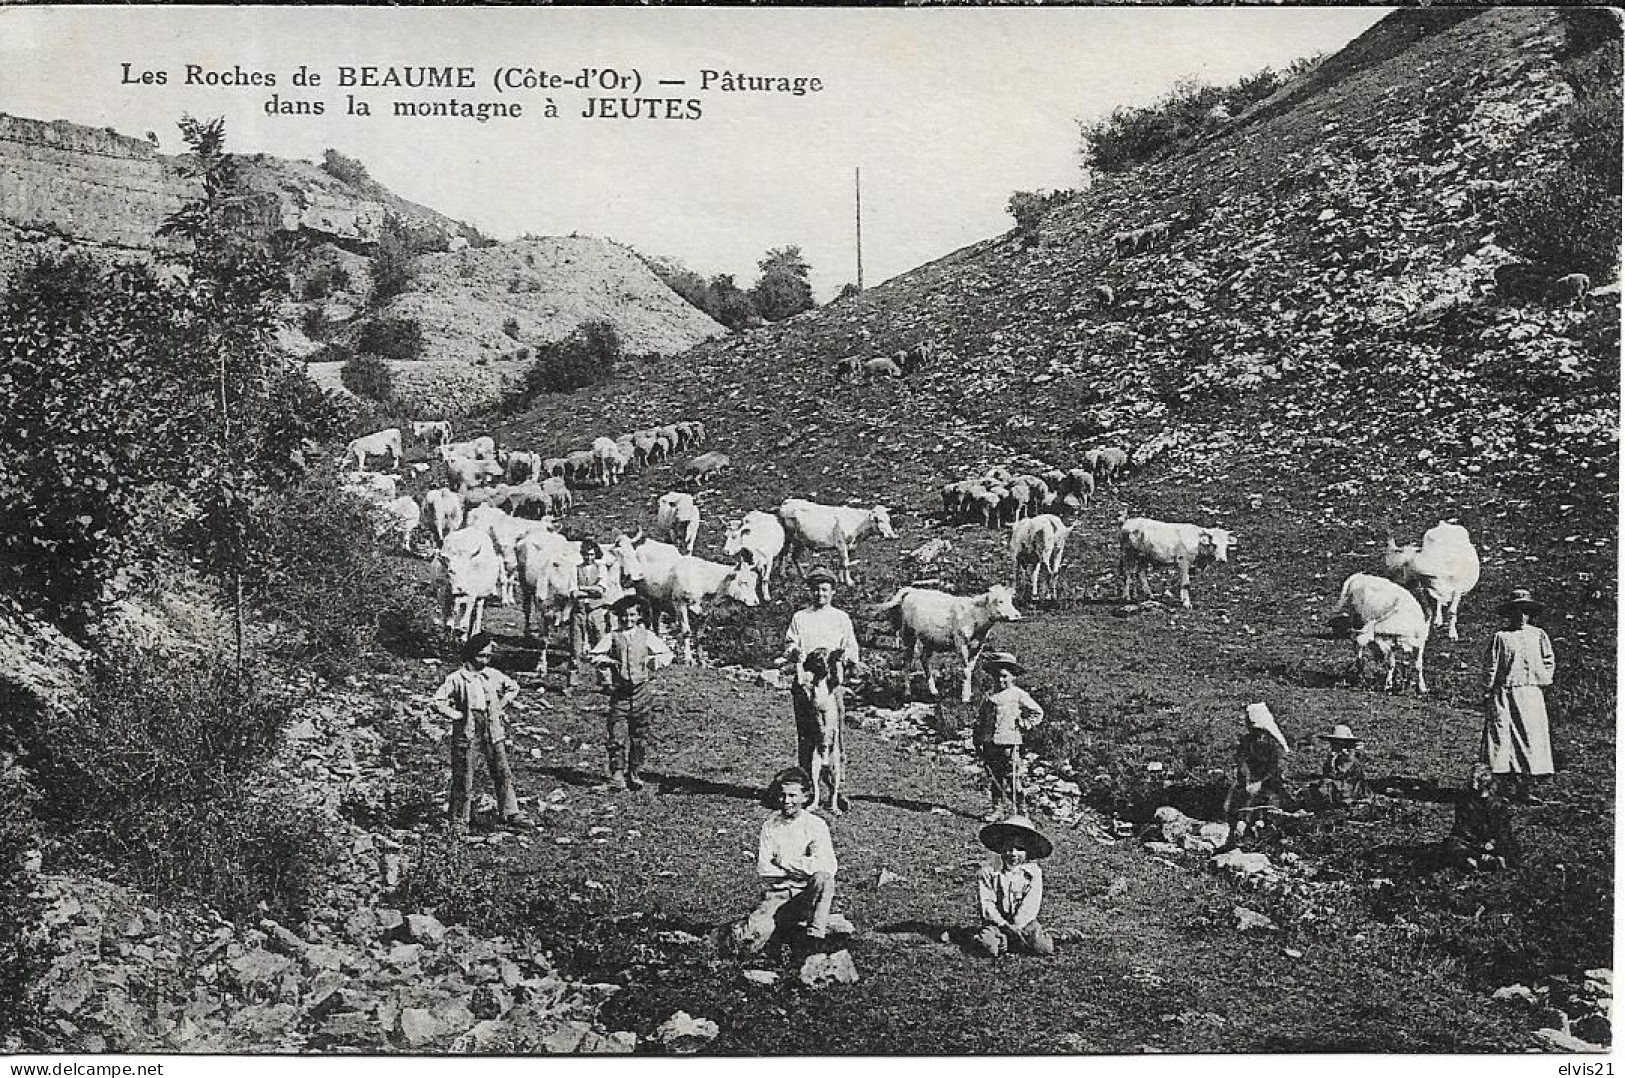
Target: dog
column 822, row 673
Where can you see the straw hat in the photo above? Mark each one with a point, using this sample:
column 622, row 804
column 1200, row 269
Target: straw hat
column 995, row 836
column 630, row 601
column 1521, row 600
column 819, row 576
column 1341, row 732
column 997, row 660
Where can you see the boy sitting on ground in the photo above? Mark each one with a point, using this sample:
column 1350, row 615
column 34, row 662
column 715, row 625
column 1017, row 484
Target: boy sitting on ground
column 796, row 862
column 1009, row 894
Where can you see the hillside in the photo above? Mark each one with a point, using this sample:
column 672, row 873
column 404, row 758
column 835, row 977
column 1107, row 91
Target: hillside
column 1316, row 359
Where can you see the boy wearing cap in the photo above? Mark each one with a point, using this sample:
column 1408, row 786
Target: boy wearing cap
column 819, row 624
column 1517, row 742
column 472, row 697
column 1009, row 894
column 1257, row 788
column 1342, row 776
column 629, row 656
column 795, row 859
column 997, row 734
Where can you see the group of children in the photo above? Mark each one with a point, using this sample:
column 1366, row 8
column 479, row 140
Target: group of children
column 796, row 859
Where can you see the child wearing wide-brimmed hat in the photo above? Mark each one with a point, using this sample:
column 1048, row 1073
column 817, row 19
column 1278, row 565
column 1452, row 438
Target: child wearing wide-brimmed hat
column 1517, row 744
column 629, row 656
column 998, row 732
column 1256, row 790
column 1342, row 776
column 1009, row 894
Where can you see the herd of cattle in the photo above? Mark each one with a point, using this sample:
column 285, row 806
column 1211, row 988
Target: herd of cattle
column 494, row 525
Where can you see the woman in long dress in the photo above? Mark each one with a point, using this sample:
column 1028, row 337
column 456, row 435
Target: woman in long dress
column 1517, row 740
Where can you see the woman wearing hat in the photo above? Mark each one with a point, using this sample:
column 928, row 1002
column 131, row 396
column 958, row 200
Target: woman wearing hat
column 1520, row 664
column 819, row 624
column 998, row 732
column 1009, row 894
column 472, row 697
column 629, row 656
column 1257, row 789
column 1342, row 776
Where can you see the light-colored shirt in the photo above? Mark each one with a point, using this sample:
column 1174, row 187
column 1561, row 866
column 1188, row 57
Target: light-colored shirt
column 802, row 844
column 469, row 690
column 631, row 654
column 1012, row 895
column 1004, row 714
column 1519, row 658
column 827, row 628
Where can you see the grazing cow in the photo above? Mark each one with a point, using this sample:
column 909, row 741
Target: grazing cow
column 677, row 517
column 998, row 474
column 522, row 467
column 1038, row 544
column 374, row 486
column 555, row 466
column 580, row 467
column 445, row 512
column 563, row 499
column 607, row 464
column 672, row 435
column 1108, row 463
column 1018, row 499
column 939, row 621
column 846, row 368
column 482, row 448
column 662, row 446
column 400, row 518
column 642, row 446
column 693, row 433
column 1144, row 543
column 1445, row 567
column 1388, row 618
column 822, row 668
column 697, row 429
column 682, row 585
column 383, row 443
column 435, row 430
column 989, row 501
column 467, row 473
column 811, row 526
column 758, row 540
column 1080, row 484
column 881, row 368
column 703, row 467
column 468, row 573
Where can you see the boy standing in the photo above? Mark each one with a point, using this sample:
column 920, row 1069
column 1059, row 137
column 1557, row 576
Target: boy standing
column 1009, row 894
column 472, row 697
column 997, row 736
column 795, row 859
column 629, row 656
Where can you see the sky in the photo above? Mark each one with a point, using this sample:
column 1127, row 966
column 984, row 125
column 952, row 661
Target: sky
column 946, row 111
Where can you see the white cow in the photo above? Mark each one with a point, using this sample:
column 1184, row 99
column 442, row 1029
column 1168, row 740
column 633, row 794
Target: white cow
column 1388, row 618
column 482, row 448
column 939, row 621
column 506, row 532
column 1144, row 542
column 383, row 443
column 759, row 540
column 811, row 526
column 607, row 463
column 399, row 519
column 468, row 573
column 677, row 517
column 436, row 430
column 1038, row 544
column 547, row 564
column 521, row 467
column 682, row 585
column 1445, row 567
column 445, row 512
column 466, row 473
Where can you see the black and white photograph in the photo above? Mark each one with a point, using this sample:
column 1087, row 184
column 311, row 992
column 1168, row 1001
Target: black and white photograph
column 786, row 532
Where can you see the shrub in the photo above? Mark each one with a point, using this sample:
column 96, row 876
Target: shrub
column 783, row 289
column 1029, row 208
column 332, row 352
column 313, row 321
column 368, row 376
column 324, row 280
column 510, row 326
column 346, row 170
column 1569, row 220
column 392, row 338
column 392, row 264
column 588, row 356
column 160, row 774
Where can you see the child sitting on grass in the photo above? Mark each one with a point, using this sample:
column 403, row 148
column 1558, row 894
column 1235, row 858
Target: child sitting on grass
column 1009, row 894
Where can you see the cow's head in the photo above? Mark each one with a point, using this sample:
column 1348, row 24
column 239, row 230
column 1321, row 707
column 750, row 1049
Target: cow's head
column 1001, row 600
column 882, row 520
column 1215, row 544
column 740, row 585
column 625, row 549
column 734, row 543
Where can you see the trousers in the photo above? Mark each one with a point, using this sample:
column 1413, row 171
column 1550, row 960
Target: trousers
column 784, row 907
column 466, row 753
column 994, row 940
column 631, row 715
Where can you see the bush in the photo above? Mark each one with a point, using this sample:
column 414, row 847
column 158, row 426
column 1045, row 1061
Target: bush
column 324, row 280
column 313, row 321
column 588, row 356
column 346, row 170
column 392, row 338
column 332, row 352
column 392, row 264
column 370, row 377
column 1029, row 208
column 1569, row 220
column 161, row 776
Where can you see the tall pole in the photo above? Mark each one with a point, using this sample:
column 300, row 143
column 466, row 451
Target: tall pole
column 857, row 191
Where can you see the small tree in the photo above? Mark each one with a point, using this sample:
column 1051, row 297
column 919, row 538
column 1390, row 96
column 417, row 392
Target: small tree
column 783, row 289
column 368, row 376
column 392, row 264
column 392, row 338
column 588, row 356
column 731, row 305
